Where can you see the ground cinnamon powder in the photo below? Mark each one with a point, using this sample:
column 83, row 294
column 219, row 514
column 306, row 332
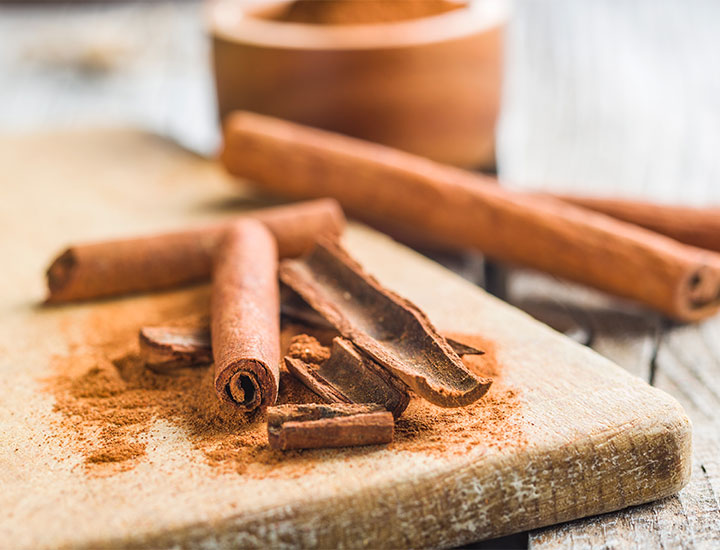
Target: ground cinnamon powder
column 108, row 400
column 354, row 12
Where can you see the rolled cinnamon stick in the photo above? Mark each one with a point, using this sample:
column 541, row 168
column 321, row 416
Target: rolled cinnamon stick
column 168, row 260
column 696, row 226
column 245, row 316
column 400, row 192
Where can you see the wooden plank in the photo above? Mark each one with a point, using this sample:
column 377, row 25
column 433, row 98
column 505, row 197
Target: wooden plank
column 624, row 334
column 581, row 436
column 688, row 520
column 688, row 367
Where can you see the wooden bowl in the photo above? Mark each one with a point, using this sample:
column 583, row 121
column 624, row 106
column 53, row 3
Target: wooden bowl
column 430, row 86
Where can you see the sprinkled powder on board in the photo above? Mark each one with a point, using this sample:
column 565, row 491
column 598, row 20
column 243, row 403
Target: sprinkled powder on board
column 108, row 400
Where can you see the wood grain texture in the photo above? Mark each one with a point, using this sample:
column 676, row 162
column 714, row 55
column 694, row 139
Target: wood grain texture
column 685, row 360
column 612, row 100
column 688, row 520
column 592, row 437
column 626, row 335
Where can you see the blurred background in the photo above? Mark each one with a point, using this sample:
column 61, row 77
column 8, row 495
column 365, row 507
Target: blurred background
column 609, row 98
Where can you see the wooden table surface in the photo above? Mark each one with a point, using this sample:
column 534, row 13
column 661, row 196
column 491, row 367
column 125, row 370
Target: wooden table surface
column 146, row 65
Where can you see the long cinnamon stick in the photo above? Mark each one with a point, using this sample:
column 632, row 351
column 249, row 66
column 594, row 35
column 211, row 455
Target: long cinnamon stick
column 141, row 264
column 315, row 426
column 165, row 349
column 400, row 192
column 344, row 374
column 390, row 329
column 245, row 316
column 696, row 226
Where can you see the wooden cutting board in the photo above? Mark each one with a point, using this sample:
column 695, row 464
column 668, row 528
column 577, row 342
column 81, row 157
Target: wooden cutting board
column 562, row 434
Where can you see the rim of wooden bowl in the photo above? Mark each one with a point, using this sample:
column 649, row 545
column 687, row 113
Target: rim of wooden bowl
column 236, row 21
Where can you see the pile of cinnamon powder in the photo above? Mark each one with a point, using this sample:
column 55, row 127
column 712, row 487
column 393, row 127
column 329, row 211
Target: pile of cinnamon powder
column 108, row 400
column 356, row 12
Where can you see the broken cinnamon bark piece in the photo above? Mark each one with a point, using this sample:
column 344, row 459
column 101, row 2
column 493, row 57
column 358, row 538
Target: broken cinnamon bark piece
column 344, row 374
column 390, row 329
column 165, row 349
column 295, row 308
column 463, row 349
column 315, row 426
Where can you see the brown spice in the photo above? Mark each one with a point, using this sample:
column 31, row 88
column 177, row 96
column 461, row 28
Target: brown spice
column 443, row 206
column 169, row 348
column 343, row 374
column 354, row 12
column 164, row 349
column 245, row 317
column 393, row 331
column 107, row 400
column 308, row 349
column 319, row 426
column 160, row 261
column 696, row 226
column 494, row 422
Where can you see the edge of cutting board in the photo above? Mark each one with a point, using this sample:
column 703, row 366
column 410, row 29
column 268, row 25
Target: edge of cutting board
column 498, row 495
column 345, row 522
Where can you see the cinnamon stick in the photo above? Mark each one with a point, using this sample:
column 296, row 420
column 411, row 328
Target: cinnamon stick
column 344, row 374
column 245, row 316
column 165, row 349
column 315, row 426
column 141, row 264
column 452, row 208
column 696, row 226
column 390, row 329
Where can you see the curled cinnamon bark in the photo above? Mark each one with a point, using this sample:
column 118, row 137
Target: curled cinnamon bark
column 390, row 329
column 168, row 260
column 452, row 208
column 315, row 426
column 245, row 317
column 344, row 374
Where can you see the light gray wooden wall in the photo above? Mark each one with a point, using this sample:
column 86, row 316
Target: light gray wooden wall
column 614, row 97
